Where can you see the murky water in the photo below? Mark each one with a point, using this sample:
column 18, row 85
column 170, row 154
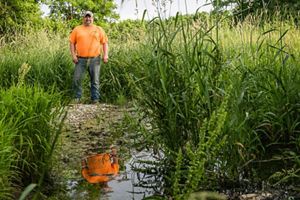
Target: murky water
column 126, row 185
column 91, row 130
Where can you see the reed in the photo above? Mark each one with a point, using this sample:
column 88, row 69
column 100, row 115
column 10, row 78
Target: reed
column 48, row 55
column 7, row 159
column 264, row 103
column 220, row 96
column 185, row 72
column 34, row 113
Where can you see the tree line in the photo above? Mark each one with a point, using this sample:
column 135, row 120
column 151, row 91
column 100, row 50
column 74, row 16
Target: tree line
column 19, row 14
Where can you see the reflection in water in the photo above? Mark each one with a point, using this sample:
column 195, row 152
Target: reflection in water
column 99, row 167
column 128, row 184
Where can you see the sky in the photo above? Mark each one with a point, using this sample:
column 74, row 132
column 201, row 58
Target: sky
column 134, row 9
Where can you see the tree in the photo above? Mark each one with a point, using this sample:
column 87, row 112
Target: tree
column 16, row 13
column 246, row 7
column 71, row 10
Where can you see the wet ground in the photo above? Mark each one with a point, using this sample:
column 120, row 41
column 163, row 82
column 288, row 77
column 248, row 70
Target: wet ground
column 91, row 129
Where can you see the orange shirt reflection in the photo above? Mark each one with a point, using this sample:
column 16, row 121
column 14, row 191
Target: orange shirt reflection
column 99, row 168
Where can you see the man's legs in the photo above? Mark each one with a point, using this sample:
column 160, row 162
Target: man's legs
column 78, row 76
column 94, row 72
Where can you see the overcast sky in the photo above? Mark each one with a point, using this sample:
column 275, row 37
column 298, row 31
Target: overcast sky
column 130, row 10
column 133, row 9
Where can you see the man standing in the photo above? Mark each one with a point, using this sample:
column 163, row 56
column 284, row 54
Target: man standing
column 86, row 41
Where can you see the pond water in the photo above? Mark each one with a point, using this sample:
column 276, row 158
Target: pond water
column 91, row 129
column 126, row 185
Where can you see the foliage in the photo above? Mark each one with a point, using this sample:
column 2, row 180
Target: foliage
column 48, row 55
column 183, row 70
column 178, row 82
column 34, row 113
column 115, row 79
column 8, row 155
column 126, row 30
column 176, row 86
column 15, row 14
column 192, row 169
column 263, row 120
column 244, row 8
column 71, row 11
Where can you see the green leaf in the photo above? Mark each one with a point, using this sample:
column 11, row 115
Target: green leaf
column 27, row 190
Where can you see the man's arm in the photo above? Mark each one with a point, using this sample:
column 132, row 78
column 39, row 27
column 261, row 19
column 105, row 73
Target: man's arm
column 73, row 52
column 105, row 52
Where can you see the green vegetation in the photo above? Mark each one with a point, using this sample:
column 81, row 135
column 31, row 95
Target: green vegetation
column 45, row 52
column 7, row 159
column 19, row 14
column 222, row 101
column 287, row 9
column 30, row 126
column 70, row 11
column 221, row 97
column 29, row 120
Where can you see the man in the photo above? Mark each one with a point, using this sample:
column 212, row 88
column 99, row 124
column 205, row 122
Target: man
column 86, row 41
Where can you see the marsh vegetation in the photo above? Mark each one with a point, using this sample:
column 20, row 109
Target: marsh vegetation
column 216, row 100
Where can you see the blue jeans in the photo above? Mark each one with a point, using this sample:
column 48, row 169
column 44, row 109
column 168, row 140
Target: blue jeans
column 93, row 65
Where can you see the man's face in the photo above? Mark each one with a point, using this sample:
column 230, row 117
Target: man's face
column 88, row 20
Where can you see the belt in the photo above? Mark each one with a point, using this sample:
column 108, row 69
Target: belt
column 87, row 57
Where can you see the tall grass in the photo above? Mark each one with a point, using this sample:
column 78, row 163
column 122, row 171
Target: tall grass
column 222, row 98
column 184, row 71
column 180, row 83
column 264, row 104
column 181, row 88
column 8, row 155
column 33, row 112
column 28, row 142
column 36, row 70
column 48, row 55
column 115, row 79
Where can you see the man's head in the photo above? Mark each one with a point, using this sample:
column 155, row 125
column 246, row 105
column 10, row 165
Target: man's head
column 88, row 18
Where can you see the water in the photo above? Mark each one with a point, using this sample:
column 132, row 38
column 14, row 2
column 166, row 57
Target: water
column 125, row 186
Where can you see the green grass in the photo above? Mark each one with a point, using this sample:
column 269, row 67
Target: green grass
column 183, row 72
column 222, row 98
column 8, row 155
column 47, row 54
column 31, row 138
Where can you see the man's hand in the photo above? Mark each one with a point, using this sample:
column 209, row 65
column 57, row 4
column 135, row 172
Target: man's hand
column 75, row 59
column 73, row 53
column 105, row 59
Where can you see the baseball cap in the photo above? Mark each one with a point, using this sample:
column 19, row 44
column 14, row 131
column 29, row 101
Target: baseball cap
column 88, row 13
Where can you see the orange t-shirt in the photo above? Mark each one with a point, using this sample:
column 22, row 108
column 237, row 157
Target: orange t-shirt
column 97, row 168
column 88, row 40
